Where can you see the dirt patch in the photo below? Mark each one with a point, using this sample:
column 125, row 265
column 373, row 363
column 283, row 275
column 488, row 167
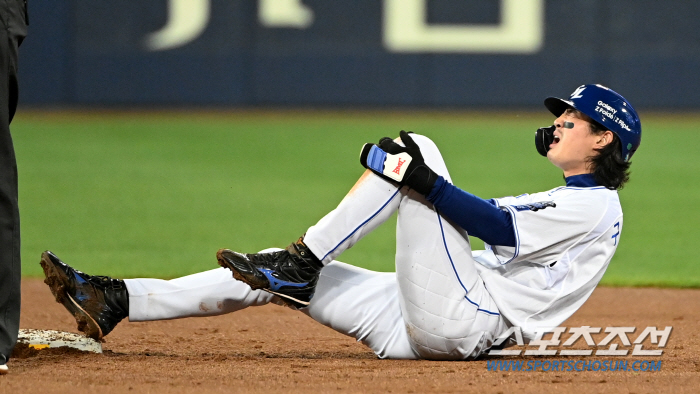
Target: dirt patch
column 22, row 350
column 274, row 349
column 25, row 351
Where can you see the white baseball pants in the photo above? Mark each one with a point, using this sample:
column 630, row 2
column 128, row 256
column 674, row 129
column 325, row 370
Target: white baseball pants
column 435, row 305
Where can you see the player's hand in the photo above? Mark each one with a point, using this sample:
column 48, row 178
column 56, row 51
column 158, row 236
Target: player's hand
column 401, row 164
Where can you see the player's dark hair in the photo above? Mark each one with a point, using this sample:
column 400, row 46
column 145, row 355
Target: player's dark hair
column 609, row 167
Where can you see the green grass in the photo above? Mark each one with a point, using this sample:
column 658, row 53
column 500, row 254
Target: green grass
column 137, row 194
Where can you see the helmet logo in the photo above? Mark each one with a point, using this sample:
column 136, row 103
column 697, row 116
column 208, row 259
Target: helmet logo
column 609, row 111
column 577, row 93
column 607, row 107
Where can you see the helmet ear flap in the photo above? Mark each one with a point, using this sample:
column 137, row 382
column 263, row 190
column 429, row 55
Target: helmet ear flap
column 544, row 136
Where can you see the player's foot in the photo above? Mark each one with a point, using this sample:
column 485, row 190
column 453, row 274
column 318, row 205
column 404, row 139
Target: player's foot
column 291, row 273
column 3, row 369
column 98, row 303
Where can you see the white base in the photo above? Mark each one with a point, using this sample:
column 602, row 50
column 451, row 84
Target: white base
column 43, row 339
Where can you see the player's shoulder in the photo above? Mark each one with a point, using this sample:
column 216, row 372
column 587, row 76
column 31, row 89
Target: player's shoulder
column 588, row 199
column 596, row 192
column 586, row 196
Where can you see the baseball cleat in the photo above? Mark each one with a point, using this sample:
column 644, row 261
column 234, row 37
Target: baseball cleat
column 290, row 274
column 98, row 303
column 3, row 369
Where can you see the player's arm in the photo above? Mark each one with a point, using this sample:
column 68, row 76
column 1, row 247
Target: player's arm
column 405, row 166
column 481, row 218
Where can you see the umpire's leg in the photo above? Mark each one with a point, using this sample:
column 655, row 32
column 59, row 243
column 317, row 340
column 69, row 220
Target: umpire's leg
column 13, row 28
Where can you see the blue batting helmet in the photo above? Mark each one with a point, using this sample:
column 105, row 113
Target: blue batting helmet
column 606, row 107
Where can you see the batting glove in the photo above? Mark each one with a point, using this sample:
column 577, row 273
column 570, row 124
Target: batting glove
column 401, row 164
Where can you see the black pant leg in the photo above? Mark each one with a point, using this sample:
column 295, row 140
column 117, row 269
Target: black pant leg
column 13, row 28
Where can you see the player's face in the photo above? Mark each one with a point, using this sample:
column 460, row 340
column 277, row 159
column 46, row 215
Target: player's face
column 573, row 144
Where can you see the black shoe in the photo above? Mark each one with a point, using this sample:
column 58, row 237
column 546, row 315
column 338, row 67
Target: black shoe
column 291, row 273
column 98, row 303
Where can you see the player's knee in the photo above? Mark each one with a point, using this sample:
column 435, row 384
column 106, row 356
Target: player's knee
column 424, row 142
column 431, row 155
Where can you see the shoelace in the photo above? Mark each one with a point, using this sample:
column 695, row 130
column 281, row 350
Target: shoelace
column 268, row 257
column 106, row 282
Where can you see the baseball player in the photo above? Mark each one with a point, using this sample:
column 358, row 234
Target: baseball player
column 545, row 252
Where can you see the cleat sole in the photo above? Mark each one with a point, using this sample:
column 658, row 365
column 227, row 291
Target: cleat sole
column 56, row 280
column 290, row 301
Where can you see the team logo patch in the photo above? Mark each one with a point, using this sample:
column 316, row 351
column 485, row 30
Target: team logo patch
column 535, row 206
column 577, row 93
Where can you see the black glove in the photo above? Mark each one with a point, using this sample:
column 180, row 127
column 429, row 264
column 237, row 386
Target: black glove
column 404, row 165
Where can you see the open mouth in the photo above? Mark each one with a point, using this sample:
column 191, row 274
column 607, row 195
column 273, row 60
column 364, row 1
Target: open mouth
column 555, row 141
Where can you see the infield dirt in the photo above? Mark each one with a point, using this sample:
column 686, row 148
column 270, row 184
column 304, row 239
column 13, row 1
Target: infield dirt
column 274, row 349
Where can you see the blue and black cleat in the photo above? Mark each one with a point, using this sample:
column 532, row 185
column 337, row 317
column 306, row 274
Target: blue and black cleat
column 98, row 303
column 291, row 274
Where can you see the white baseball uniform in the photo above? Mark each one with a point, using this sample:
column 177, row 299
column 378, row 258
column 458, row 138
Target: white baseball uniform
column 443, row 302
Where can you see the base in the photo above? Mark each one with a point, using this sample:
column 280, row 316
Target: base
column 43, row 339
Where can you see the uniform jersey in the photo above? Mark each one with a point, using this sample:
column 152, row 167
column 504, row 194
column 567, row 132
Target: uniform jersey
column 565, row 239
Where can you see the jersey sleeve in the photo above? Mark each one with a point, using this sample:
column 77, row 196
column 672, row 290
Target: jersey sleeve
column 546, row 224
column 481, row 218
